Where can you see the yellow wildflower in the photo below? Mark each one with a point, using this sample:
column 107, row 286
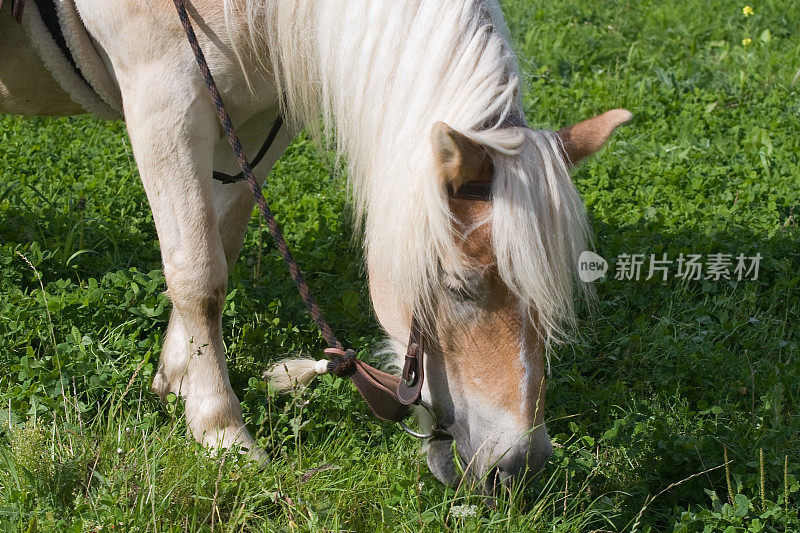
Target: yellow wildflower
column 746, row 42
column 747, row 11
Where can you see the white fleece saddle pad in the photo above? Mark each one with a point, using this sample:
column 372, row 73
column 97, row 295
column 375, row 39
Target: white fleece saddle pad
column 92, row 86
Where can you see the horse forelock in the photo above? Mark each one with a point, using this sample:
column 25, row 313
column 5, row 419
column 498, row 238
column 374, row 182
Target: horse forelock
column 380, row 74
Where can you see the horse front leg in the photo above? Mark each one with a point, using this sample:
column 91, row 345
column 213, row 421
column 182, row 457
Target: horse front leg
column 233, row 205
column 172, row 129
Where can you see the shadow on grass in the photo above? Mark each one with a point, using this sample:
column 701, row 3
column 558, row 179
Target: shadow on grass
column 669, row 374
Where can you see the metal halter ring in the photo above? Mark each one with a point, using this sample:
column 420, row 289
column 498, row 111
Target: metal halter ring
column 437, row 432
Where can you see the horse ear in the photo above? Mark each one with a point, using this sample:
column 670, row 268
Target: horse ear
column 458, row 158
column 587, row 137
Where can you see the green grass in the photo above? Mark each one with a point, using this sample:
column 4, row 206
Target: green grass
column 668, row 378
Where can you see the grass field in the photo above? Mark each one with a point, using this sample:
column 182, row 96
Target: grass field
column 669, row 379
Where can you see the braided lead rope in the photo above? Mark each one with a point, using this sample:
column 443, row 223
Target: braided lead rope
column 227, row 125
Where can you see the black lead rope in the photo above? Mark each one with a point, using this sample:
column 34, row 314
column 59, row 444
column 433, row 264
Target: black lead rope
column 247, row 173
column 273, row 133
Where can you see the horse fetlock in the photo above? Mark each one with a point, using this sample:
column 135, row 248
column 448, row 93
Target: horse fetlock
column 208, row 413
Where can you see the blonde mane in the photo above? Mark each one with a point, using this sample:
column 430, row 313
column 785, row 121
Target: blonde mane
column 380, row 74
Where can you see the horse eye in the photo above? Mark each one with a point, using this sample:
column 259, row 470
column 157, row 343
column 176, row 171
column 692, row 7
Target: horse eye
column 467, row 289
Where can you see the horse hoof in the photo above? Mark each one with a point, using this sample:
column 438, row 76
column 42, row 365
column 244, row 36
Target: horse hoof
column 257, row 457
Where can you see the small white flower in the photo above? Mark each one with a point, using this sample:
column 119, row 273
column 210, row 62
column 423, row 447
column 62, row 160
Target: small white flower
column 463, row 511
column 119, row 451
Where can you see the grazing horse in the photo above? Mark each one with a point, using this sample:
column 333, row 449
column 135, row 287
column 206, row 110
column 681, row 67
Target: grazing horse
column 421, row 96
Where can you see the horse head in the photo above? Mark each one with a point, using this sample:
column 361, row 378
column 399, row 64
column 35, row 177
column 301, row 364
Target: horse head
column 486, row 351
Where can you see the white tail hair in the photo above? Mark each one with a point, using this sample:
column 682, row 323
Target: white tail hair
column 293, row 374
